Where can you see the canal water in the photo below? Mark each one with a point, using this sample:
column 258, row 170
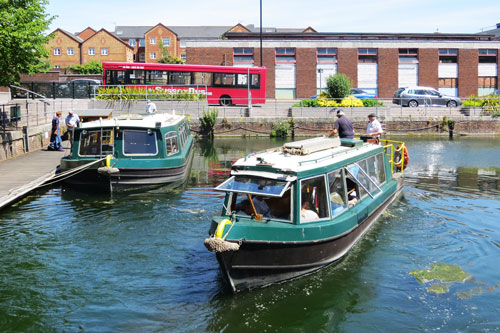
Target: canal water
column 78, row 261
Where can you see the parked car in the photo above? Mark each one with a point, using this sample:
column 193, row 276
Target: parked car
column 415, row 96
column 361, row 94
column 92, row 82
column 497, row 92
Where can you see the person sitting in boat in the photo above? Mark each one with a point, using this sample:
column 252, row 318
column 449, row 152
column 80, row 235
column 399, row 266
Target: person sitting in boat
column 244, row 208
column 261, row 206
column 336, row 202
column 306, row 214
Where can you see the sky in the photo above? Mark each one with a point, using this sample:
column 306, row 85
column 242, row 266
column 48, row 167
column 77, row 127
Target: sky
column 422, row 16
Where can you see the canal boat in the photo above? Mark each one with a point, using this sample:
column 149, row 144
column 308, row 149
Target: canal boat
column 130, row 151
column 292, row 210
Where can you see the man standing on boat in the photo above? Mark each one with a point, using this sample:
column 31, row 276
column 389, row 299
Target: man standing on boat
column 150, row 107
column 343, row 126
column 374, row 128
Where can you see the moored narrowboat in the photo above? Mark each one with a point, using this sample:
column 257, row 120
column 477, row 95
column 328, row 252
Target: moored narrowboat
column 130, row 151
column 292, row 210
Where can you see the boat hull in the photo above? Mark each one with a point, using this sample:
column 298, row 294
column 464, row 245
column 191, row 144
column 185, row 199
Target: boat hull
column 130, row 178
column 258, row 264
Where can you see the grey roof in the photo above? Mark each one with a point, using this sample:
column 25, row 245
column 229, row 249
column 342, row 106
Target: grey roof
column 199, row 31
column 78, row 39
column 495, row 32
column 130, row 31
column 253, row 28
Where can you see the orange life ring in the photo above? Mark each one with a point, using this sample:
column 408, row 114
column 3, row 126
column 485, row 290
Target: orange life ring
column 397, row 157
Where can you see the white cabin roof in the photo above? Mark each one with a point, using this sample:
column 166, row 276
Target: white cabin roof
column 135, row 120
column 286, row 162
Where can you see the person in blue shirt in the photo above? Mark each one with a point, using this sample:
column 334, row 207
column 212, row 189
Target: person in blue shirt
column 55, row 134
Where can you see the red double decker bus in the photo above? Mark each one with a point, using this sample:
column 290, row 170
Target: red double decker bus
column 223, row 85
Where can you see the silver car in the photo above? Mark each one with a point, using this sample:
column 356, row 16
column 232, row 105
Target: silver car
column 426, row 96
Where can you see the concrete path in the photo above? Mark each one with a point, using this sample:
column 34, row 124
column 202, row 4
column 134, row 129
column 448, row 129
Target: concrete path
column 23, row 174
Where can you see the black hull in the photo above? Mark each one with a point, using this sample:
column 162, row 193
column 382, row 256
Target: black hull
column 128, row 178
column 258, row 264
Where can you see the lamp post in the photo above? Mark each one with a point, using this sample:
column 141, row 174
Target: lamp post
column 260, row 34
column 320, row 71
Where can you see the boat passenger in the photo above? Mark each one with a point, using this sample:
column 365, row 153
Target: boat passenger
column 244, row 208
column 261, row 206
column 306, row 213
column 374, row 128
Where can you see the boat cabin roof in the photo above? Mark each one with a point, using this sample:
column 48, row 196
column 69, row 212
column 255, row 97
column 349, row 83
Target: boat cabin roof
column 136, row 120
column 304, row 155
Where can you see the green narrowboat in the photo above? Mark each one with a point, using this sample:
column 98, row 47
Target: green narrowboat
column 130, row 151
column 292, row 210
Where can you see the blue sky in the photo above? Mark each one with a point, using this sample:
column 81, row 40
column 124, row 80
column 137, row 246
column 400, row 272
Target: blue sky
column 427, row 16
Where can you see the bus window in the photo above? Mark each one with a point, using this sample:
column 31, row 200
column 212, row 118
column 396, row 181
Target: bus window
column 224, row 80
column 255, row 83
column 115, row 77
column 180, row 78
column 135, row 76
column 157, row 77
column 202, row 78
column 243, row 80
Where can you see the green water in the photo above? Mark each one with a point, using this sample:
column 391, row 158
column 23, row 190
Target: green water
column 78, row 261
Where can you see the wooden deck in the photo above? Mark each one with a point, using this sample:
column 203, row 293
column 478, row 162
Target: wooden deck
column 21, row 175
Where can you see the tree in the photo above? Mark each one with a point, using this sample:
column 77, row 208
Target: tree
column 338, row 86
column 166, row 58
column 22, row 38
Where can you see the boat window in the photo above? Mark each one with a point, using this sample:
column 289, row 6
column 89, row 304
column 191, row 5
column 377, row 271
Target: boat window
column 139, row 142
column 357, row 172
column 338, row 195
column 96, row 143
column 277, row 208
column 313, row 202
column 171, row 143
column 254, row 185
column 375, row 168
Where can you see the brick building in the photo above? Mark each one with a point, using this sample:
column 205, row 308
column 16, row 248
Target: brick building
column 299, row 63
column 64, row 49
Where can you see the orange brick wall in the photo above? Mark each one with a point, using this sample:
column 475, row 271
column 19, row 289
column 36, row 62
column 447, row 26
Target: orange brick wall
column 159, row 32
column 467, row 72
column 117, row 50
column 63, row 42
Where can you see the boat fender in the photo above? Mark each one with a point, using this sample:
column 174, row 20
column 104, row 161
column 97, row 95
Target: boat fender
column 108, row 160
column 397, row 157
column 220, row 228
column 107, row 170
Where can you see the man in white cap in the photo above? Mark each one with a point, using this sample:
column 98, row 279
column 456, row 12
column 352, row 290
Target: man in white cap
column 72, row 120
column 374, row 128
column 343, row 126
column 150, row 107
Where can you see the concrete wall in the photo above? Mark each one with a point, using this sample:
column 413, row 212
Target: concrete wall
column 13, row 143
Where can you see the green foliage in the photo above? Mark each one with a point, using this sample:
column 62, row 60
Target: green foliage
column 368, row 102
column 490, row 104
column 207, row 122
column 280, row 130
column 338, row 86
column 135, row 93
column 166, row 58
column 22, row 38
column 92, row 67
column 305, row 103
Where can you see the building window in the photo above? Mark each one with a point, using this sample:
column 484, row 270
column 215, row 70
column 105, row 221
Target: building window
column 165, row 41
column 487, row 56
column 57, row 66
column 487, row 82
column 135, row 58
column 91, row 51
column 104, row 51
column 57, row 51
column 285, row 55
column 131, row 42
column 448, row 56
column 142, row 57
column 243, row 55
column 152, row 55
column 326, row 55
column 183, row 56
column 70, row 51
column 142, row 42
column 367, row 56
column 408, row 56
column 183, row 43
column 448, row 83
column 152, row 40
